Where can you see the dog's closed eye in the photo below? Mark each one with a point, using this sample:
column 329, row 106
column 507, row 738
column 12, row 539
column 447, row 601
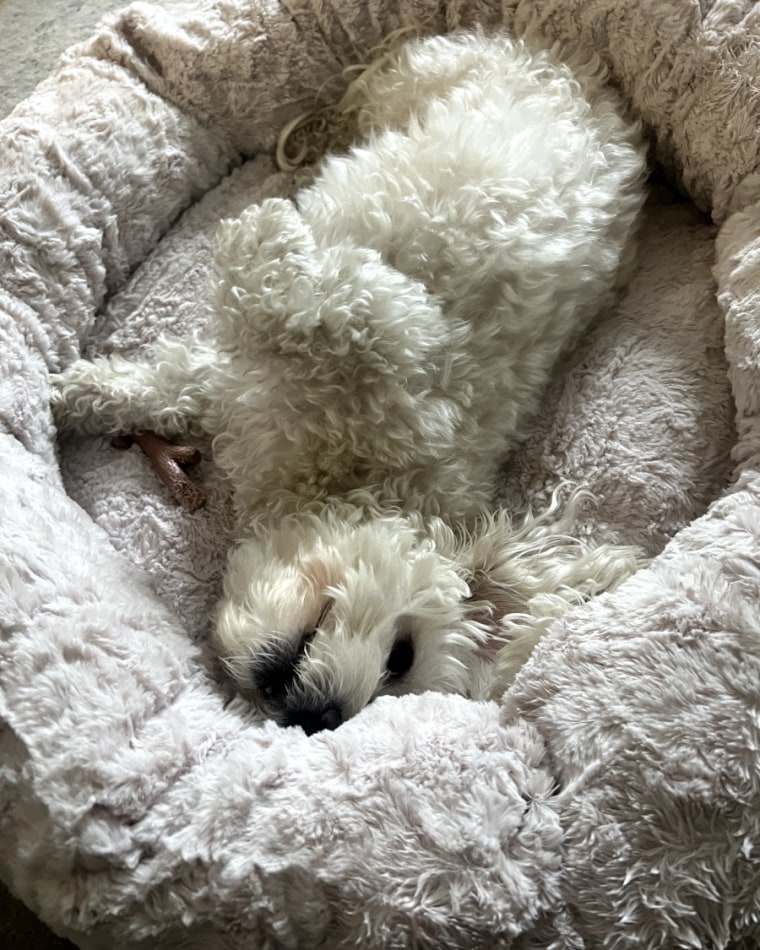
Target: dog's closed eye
column 274, row 673
column 323, row 615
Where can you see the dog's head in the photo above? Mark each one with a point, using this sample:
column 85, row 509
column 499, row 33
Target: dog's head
column 321, row 616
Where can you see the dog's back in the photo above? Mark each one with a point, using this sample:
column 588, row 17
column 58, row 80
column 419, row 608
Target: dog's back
column 403, row 320
column 508, row 185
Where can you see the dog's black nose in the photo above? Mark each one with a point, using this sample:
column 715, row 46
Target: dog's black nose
column 312, row 719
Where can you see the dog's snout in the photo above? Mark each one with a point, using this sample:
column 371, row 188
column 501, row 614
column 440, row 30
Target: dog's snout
column 312, row 719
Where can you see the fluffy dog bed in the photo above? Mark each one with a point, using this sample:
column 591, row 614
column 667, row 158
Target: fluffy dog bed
column 613, row 797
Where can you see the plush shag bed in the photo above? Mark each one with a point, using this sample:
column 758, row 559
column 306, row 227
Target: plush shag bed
column 612, row 798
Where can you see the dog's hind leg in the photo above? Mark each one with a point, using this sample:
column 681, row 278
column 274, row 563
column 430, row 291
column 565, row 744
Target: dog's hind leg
column 335, row 339
column 160, row 391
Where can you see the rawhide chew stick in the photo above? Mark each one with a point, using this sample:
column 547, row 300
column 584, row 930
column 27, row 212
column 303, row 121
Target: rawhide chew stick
column 169, row 461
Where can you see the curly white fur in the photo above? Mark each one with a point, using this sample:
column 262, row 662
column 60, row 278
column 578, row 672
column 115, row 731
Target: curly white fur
column 381, row 345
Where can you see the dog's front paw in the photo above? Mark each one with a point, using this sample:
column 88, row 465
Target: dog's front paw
column 94, row 397
column 57, row 400
column 71, row 394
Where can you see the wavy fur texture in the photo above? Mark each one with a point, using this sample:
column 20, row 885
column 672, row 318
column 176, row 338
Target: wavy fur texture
column 381, row 345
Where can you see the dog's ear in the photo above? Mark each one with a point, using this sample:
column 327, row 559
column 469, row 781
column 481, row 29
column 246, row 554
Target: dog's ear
column 499, row 559
column 486, row 556
column 488, row 559
column 490, row 602
column 525, row 573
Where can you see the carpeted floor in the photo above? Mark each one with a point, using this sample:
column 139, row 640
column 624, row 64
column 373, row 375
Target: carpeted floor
column 33, row 33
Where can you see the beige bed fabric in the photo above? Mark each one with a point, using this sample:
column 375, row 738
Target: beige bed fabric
column 611, row 798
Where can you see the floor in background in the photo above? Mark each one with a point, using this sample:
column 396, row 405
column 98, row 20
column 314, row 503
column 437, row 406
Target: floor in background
column 33, row 34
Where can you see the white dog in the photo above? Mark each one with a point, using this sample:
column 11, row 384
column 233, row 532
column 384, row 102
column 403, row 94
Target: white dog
column 381, row 345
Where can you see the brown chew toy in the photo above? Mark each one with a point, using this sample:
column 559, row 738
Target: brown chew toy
column 169, row 461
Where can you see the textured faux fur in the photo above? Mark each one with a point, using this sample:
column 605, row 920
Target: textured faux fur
column 612, row 799
column 377, row 351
